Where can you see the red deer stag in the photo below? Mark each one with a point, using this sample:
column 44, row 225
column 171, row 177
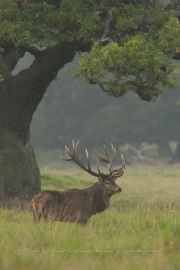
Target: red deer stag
column 78, row 205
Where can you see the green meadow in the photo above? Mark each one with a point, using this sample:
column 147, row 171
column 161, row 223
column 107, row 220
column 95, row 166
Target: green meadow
column 140, row 230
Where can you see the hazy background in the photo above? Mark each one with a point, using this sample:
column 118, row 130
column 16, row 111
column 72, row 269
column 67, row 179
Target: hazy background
column 71, row 109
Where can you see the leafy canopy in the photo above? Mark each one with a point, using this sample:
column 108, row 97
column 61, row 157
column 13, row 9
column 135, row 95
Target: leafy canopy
column 133, row 41
column 43, row 24
column 139, row 56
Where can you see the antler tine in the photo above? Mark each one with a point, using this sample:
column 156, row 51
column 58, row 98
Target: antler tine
column 109, row 158
column 67, row 150
column 123, row 161
column 87, row 157
column 88, row 164
column 111, row 172
column 65, row 158
column 101, row 158
column 72, row 155
column 68, row 153
column 113, row 150
column 120, row 172
column 98, row 169
column 106, row 152
column 75, row 146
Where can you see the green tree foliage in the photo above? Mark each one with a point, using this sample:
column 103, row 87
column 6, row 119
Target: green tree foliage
column 144, row 39
column 31, row 24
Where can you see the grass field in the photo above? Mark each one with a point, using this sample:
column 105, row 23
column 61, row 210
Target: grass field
column 141, row 229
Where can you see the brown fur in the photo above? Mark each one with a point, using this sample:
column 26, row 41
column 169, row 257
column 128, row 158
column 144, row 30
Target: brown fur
column 75, row 205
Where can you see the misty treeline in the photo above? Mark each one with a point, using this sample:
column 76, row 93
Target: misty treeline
column 72, row 109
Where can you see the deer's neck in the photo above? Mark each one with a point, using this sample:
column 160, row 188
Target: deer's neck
column 100, row 198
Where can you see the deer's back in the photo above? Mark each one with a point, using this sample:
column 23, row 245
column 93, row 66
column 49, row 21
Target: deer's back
column 72, row 205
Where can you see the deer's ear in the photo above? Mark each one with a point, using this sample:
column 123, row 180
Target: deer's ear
column 100, row 179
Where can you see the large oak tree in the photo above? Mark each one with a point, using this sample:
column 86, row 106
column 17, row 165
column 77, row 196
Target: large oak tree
column 130, row 45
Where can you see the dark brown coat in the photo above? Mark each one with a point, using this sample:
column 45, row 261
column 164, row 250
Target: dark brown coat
column 75, row 205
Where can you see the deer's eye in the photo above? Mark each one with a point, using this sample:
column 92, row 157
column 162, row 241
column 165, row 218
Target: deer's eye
column 107, row 183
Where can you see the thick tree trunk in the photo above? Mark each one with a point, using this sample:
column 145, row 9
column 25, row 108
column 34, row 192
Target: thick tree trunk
column 19, row 172
column 19, row 98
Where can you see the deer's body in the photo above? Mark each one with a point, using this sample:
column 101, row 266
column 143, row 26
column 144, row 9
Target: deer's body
column 75, row 205
column 78, row 205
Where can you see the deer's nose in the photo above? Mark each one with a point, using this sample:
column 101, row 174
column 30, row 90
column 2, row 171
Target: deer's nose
column 119, row 189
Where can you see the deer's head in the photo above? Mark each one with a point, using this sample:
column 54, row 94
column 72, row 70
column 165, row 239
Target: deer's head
column 109, row 185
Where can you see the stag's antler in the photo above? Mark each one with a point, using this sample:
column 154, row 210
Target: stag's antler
column 109, row 159
column 72, row 155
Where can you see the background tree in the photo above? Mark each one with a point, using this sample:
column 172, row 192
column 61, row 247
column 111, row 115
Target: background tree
column 53, row 32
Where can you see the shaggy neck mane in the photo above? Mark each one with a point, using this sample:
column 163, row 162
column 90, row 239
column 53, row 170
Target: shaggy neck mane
column 100, row 198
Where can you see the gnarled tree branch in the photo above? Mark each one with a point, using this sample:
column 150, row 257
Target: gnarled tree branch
column 109, row 14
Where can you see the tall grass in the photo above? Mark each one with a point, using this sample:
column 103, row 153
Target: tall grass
column 141, row 229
